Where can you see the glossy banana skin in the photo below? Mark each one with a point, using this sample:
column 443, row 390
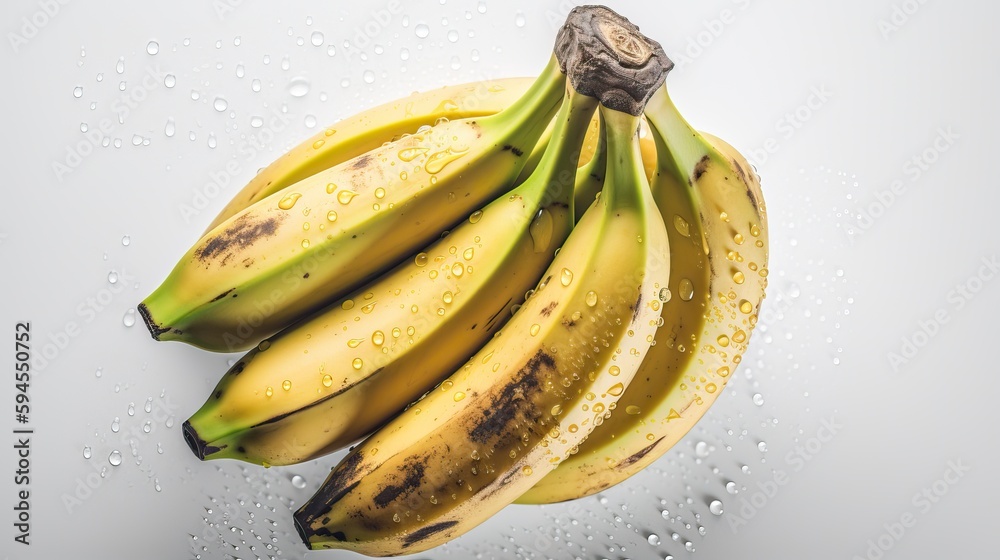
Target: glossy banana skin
column 323, row 383
column 526, row 400
column 370, row 129
column 711, row 201
column 301, row 248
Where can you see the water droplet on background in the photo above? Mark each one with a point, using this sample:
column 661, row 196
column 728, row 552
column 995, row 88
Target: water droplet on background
column 170, row 80
column 152, row 47
column 758, row 399
column 715, row 507
column 78, row 92
column 422, row 30
column 298, row 482
column 115, row 458
column 298, row 87
column 129, row 318
column 220, row 104
column 519, row 19
column 87, row 453
column 316, row 38
column 126, row 240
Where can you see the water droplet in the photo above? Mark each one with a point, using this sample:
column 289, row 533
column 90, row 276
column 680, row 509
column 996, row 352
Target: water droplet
column 686, row 290
column 591, row 299
column 715, row 507
column 519, row 19
column 746, row 307
column 99, row 372
column 664, row 295
column 152, row 47
column 453, row 36
column 566, row 277
column 682, row 226
column 616, row 390
column 481, row 7
column 148, row 407
column 420, row 259
column 255, row 85
column 327, row 380
column 129, row 318
column 147, row 427
column 738, row 277
column 762, row 446
column 316, row 38
column 298, row 482
column 87, row 453
column 78, row 92
column 368, row 77
column 115, row 425
column 436, row 162
column 169, row 128
column 115, row 458
column 331, row 50
column 459, row 396
column 286, row 385
column 170, row 80
column 410, row 154
column 633, row 410
column 653, row 539
column 346, row 196
column 475, row 217
column 112, row 277
column 723, row 340
column 404, row 53
column 289, row 200
column 731, row 487
column 212, row 142
column 298, row 86
column 535, row 329
column 220, row 104
column 310, row 121
column 701, row 449
column 358, row 363
column 120, row 66
column 268, row 392
column 758, row 399
column 740, row 336
column 421, row 30
column 527, row 470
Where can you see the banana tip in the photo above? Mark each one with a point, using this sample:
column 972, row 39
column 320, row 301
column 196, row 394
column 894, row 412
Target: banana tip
column 197, row 445
column 154, row 328
column 302, row 530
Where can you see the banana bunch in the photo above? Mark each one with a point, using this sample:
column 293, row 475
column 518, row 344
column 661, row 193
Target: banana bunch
column 522, row 291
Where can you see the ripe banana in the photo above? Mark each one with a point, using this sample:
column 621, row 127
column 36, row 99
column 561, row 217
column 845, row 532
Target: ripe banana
column 370, row 129
column 710, row 199
column 522, row 403
column 532, row 394
column 328, row 381
column 302, row 247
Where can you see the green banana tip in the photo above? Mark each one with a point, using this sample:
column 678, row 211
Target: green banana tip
column 155, row 330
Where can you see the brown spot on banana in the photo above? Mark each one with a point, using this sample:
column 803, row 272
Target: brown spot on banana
column 414, row 476
column 513, row 404
column 427, row 531
column 241, row 234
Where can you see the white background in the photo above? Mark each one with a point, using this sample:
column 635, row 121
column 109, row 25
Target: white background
column 869, row 85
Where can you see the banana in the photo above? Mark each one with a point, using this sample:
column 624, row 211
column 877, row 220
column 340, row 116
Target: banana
column 717, row 223
column 324, row 383
column 531, row 395
column 302, row 247
column 370, row 129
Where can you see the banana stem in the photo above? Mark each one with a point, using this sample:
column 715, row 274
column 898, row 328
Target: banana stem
column 625, row 185
column 683, row 147
column 557, row 169
column 590, row 177
column 529, row 116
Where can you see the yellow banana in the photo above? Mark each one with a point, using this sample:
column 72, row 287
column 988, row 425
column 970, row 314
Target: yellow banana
column 301, row 248
column 711, row 201
column 328, row 381
column 522, row 403
column 370, row 129
column 532, row 394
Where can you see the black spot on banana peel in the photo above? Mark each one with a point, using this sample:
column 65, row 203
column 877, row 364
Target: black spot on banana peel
column 638, row 455
column 342, row 480
column 605, row 56
column 701, row 168
column 242, row 233
column 427, row 531
column 413, row 475
column 514, row 402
